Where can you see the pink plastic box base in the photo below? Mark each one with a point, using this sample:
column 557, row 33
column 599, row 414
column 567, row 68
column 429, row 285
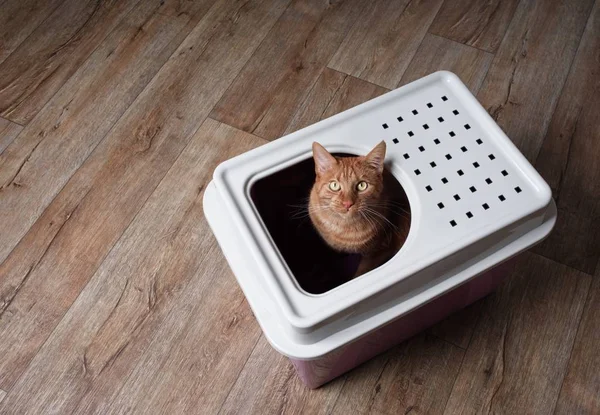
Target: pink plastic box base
column 315, row 373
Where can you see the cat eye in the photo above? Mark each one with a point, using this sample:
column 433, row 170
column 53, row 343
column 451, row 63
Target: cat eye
column 362, row 186
column 335, row 186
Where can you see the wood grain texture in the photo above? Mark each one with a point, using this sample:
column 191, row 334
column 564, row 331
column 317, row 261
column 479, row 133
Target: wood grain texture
column 160, row 295
column 436, row 54
column 2, row 395
column 18, row 18
column 277, row 79
column 580, row 392
column 414, row 378
column 458, row 328
column 523, row 84
column 47, row 271
column 383, row 41
column 520, row 349
column 33, row 73
column 51, row 148
column 569, row 162
column 481, row 24
column 8, row 132
column 334, row 92
column 268, row 384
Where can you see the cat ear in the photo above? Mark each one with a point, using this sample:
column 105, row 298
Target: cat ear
column 376, row 157
column 323, row 159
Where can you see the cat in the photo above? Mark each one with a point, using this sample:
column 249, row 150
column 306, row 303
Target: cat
column 352, row 206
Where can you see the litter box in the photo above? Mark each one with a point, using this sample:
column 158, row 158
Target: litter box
column 475, row 203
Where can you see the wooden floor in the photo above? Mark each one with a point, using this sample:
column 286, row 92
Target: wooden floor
column 114, row 296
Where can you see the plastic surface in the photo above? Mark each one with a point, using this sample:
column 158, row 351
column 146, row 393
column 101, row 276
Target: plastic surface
column 475, row 202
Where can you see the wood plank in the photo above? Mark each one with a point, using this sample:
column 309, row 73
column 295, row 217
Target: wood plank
column 162, row 298
column 268, row 384
column 568, row 159
column 524, row 82
column 2, row 395
column 58, row 256
column 18, row 18
column 416, row 377
column 520, row 349
column 436, row 53
column 382, row 43
column 273, row 85
column 8, row 132
column 475, row 23
column 333, row 93
column 317, row 101
column 33, row 73
column 51, row 148
column 580, row 392
column 574, row 241
column 458, row 328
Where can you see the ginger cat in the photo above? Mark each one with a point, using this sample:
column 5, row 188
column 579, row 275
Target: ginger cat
column 352, row 208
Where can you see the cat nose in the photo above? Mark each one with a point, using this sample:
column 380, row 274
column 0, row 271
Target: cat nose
column 347, row 204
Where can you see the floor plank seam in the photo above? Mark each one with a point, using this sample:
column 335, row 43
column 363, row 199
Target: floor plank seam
column 243, row 67
column 564, row 82
column 580, row 322
column 561, row 263
column 240, row 372
column 83, row 62
column 460, row 43
column 33, row 30
column 108, row 132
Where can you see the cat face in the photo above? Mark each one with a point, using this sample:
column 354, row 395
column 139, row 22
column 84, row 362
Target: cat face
column 347, row 187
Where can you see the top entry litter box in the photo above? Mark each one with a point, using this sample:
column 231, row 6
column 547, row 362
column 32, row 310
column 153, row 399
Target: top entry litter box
column 475, row 203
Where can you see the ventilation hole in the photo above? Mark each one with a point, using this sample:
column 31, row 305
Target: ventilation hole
column 472, row 189
column 518, row 189
column 441, row 205
column 440, row 119
column 429, row 105
column 502, row 198
column 415, row 112
column 385, row 126
column 456, row 197
column 410, row 133
column 421, row 149
column 400, row 119
column 504, row 173
column 455, row 112
column 436, row 141
column 425, row 126
column 492, row 157
column 476, row 165
column 467, row 127
column 428, row 188
column 444, row 180
column 469, row 215
column 417, row 172
column 485, row 206
column 395, row 140
column 464, row 149
column 479, row 141
column 432, row 164
column 448, row 157
column 453, row 223
column 488, row 180
column 451, row 133
column 444, row 98
column 406, row 156
column 460, row 172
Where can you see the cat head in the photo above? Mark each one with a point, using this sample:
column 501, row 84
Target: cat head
column 348, row 186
